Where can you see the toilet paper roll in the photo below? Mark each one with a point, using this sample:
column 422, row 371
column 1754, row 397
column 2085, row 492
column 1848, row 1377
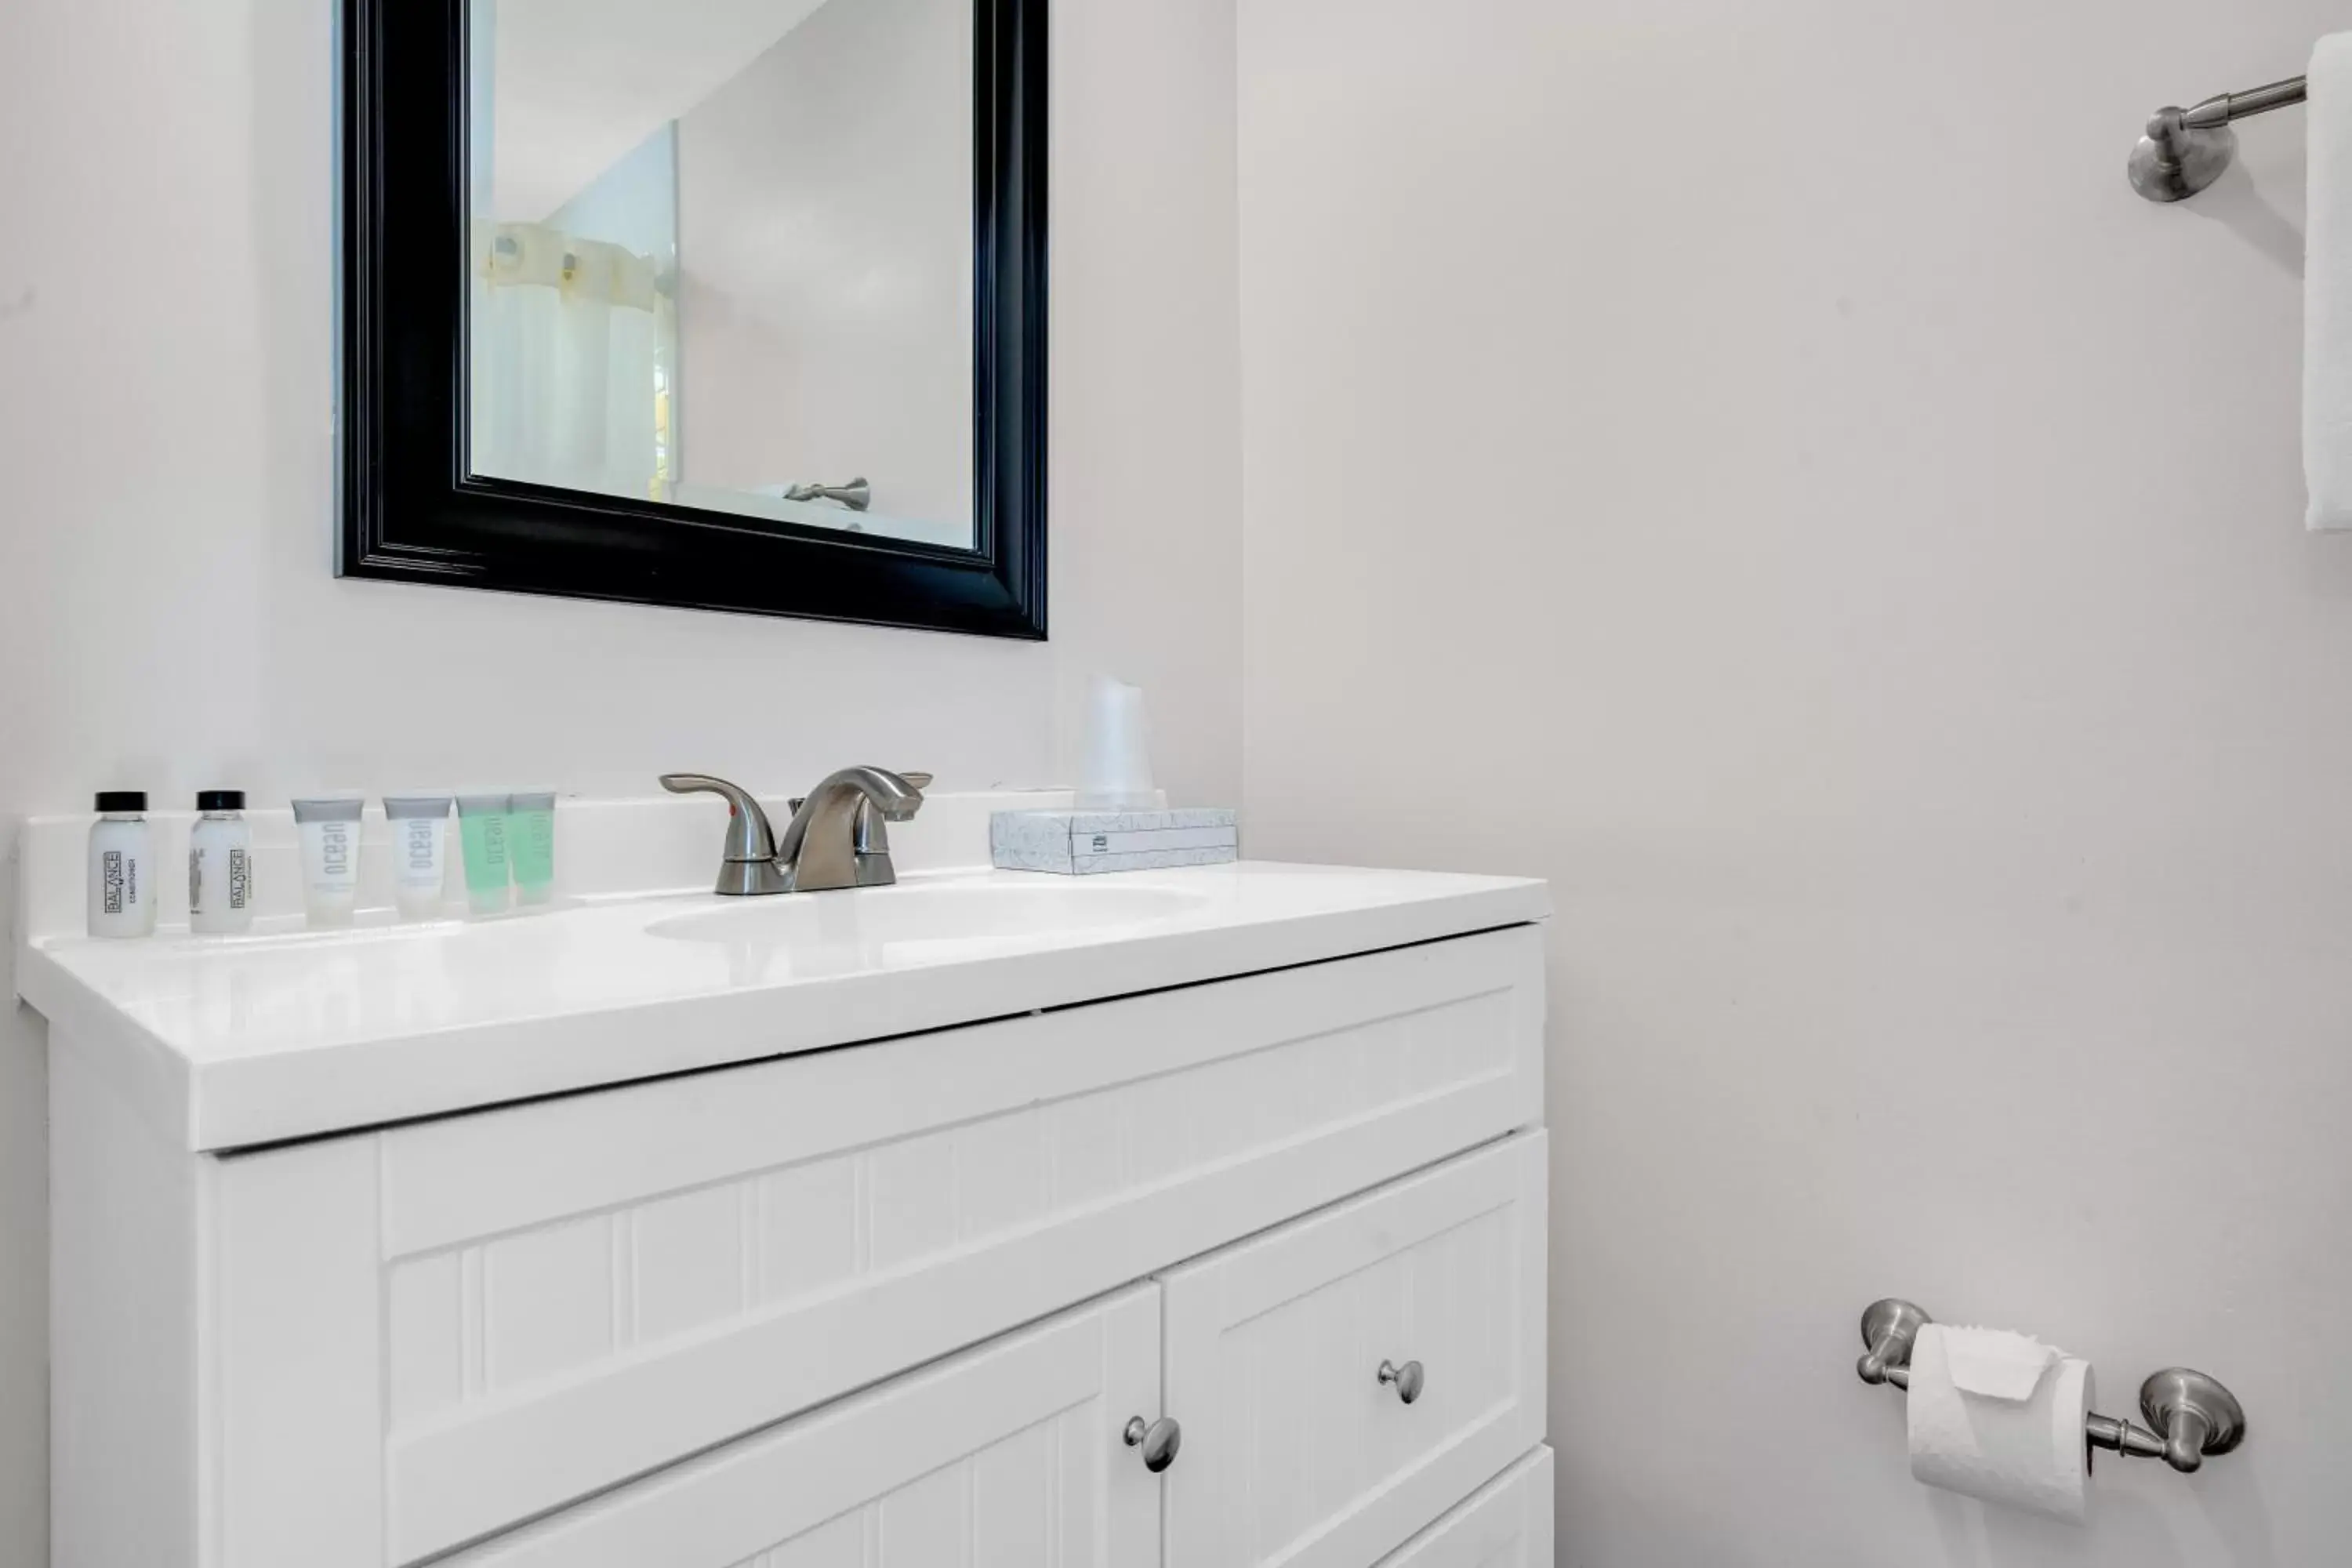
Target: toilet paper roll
column 2028, row 1453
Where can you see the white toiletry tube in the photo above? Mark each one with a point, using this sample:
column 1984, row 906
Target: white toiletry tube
column 482, row 842
column 329, row 828
column 419, row 851
column 531, row 844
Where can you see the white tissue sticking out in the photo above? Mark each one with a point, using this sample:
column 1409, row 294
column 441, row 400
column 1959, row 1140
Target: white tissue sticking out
column 1115, row 773
column 1996, row 1363
column 2023, row 1450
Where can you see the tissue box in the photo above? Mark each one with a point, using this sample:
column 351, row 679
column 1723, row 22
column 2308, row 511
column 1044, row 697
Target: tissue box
column 1081, row 843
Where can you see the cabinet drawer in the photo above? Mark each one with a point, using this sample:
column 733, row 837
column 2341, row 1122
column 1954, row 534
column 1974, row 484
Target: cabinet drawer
column 1008, row 1455
column 1296, row 1451
column 1507, row 1525
column 521, row 1307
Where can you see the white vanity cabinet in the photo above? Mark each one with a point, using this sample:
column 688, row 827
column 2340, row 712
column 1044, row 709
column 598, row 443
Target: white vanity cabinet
column 891, row 1304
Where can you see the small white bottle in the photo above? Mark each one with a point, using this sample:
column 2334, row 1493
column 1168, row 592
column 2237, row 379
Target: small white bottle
column 220, row 865
column 122, row 890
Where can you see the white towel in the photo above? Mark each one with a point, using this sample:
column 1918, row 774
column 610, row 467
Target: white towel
column 2327, row 290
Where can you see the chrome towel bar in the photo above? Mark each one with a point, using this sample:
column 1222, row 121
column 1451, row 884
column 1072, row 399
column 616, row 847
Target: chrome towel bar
column 2191, row 1414
column 2185, row 150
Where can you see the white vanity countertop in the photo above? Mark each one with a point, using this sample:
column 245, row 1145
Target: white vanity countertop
column 279, row 1036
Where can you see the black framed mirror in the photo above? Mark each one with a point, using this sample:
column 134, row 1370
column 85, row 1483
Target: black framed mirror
column 782, row 352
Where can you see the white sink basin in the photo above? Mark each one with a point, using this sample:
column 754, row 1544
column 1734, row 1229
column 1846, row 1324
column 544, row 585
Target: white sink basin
column 873, row 917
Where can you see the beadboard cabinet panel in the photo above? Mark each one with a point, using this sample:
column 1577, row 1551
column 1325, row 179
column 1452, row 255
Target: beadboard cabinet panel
column 1305, row 1457
column 1507, row 1523
column 584, row 1290
column 1010, row 1455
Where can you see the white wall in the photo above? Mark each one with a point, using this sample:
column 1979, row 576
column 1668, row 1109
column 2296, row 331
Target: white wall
column 1760, row 467
column 578, row 83
column 167, row 612
column 632, row 204
column 825, row 216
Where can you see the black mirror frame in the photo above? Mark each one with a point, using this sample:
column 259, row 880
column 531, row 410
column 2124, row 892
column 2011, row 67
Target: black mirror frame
column 412, row 512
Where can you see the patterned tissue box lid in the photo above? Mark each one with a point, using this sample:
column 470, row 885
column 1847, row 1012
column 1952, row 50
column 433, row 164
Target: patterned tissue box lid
column 1078, row 842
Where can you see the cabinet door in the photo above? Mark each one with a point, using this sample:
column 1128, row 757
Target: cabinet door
column 1005, row 1456
column 1507, row 1524
column 1297, row 1450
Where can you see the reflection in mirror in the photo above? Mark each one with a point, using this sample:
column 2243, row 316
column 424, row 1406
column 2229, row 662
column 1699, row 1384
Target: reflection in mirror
column 721, row 255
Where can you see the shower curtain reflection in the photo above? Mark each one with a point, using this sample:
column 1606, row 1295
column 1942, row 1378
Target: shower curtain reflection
column 574, row 348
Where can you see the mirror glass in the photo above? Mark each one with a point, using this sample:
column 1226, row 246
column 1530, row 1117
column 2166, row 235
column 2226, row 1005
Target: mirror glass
column 721, row 255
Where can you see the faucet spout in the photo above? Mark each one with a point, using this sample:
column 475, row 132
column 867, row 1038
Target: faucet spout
column 824, row 846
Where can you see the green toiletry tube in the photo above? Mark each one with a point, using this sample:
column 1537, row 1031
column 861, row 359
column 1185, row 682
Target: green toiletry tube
column 482, row 832
column 531, row 844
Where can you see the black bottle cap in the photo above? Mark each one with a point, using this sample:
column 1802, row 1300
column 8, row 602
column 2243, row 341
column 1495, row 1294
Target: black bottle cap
column 220, row 800
column 122, row 800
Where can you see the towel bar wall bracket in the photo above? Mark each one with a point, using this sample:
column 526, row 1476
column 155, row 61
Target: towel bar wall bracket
column 2186, row 150
column 2190, row 1416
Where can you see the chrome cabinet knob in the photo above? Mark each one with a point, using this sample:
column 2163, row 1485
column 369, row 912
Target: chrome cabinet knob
column 1158, row 1440
column 1408, row 1379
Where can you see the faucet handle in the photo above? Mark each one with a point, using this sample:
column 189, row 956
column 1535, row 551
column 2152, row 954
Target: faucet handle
column 749, row 837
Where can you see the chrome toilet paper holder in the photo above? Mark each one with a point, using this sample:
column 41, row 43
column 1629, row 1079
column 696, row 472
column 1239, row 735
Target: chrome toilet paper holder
column 2190, row 1416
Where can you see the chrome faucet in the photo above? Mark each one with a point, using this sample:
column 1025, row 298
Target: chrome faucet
column 838, row 836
